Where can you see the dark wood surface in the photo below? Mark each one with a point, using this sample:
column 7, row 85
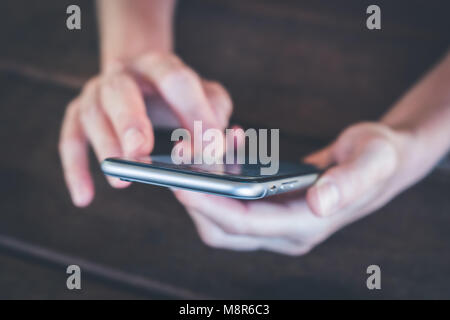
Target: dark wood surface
column 308, row 67
column 24, row 279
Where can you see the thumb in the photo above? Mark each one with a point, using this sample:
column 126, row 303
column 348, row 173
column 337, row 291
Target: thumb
column 344, row 183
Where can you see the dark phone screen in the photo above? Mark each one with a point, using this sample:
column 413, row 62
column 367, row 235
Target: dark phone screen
column 225, row 171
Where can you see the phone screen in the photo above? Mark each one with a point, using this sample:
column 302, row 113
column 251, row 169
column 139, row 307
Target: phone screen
column 225, row 171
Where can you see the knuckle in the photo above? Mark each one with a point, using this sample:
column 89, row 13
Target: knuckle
column 233, row 229
column 237, row 227
column 115, row 66
column 120, row 114
column 386, row 159
column 163, row 61
column 221, row 97
column 169, row 59
column 112, row 83
column 212, row 239
column 116, row 82
column 89, row 110
column 152, row 57
column 90, row 86
column 382, row 145
column 67, row 144
column 179, row 76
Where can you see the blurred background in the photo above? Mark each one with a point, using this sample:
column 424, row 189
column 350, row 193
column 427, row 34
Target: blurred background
column 310, row 68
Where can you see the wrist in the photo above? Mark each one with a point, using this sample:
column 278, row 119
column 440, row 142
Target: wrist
column 415, row 159
column 128, row 31
column 113, row 61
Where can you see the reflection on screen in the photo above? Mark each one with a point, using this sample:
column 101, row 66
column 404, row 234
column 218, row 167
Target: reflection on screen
column 238, row 170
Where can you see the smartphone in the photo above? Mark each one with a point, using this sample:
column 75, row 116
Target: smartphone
column 241, row 181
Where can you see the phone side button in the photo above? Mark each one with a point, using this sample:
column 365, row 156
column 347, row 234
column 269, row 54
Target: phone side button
column 272, row 189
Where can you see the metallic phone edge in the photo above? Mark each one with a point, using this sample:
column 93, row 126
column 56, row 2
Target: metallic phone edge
column 174, row 179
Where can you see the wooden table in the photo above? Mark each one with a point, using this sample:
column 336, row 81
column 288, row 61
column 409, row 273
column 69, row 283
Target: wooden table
column 308, row 67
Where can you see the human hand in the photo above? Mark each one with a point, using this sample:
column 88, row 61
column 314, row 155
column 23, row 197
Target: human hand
column 110, row 114
column 370, row 164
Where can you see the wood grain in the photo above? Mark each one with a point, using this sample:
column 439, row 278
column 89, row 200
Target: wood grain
column 307, row 67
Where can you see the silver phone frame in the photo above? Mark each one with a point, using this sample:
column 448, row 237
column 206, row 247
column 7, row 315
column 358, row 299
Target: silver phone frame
column 206, row 184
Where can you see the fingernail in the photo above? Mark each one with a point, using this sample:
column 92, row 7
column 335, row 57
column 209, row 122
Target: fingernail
column 328, row 195
column 81, row 197
column 134, row 139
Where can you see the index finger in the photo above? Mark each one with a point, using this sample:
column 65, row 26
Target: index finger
column 73, row 151
column 180, row 86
